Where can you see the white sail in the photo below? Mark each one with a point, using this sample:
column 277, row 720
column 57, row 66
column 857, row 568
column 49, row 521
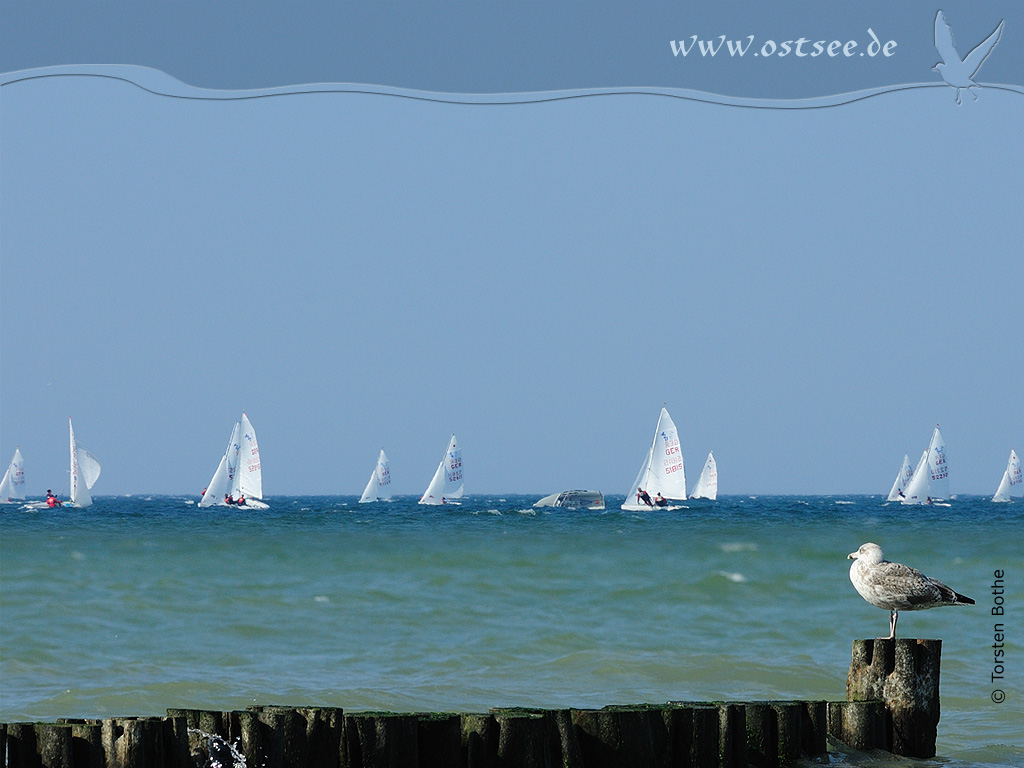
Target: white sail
column 249, row 476
column 220, row 484
column 899, row 486
column 931, row 477
column 707, row 483
column 13, row 485
column 379, row 486
column 85, row 471
column 1012, row 483
column 447, row 482
column 663, row 470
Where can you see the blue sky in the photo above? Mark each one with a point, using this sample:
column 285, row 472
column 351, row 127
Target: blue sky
column 809, row 291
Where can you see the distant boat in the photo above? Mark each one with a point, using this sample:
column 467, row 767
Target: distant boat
column 1012, row 483
column 573, row 500
column 899, row 487
column 379, row 487
column 85, row 471
column 930, row 482
column 661, row 471
column 239, row 473
column 12, row 487
column 707, row 483
column 447, row 482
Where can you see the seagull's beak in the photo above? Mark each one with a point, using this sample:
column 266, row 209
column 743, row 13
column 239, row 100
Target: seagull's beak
column 935, row 68
column 852, row 556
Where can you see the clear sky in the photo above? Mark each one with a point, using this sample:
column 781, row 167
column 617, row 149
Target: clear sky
column 810, row 291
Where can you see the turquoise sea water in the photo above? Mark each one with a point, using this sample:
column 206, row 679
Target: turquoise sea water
column 139, row 604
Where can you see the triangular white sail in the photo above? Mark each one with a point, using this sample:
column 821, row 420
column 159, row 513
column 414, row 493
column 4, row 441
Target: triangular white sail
column 899, row 486
column 220, row 484
column 249, row 477
column 12, row 487
column 707, row 483
column 85, row 471
column 379, row 486
column 931, row 477
column 1012, row 483
column 663, row 470
column 447, row 482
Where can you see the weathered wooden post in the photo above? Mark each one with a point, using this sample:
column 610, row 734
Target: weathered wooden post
column 904, row 674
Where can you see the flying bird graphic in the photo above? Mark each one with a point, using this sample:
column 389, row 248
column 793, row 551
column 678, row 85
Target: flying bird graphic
column 957, row 72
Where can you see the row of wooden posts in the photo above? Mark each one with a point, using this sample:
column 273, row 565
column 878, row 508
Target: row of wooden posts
column 684, row 734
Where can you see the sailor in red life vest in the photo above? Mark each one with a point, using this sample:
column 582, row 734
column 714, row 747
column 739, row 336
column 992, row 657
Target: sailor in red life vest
column 51, row 500
column 241, row 500
column 228, row 499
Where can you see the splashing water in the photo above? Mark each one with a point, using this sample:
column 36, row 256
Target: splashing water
column 213, row 751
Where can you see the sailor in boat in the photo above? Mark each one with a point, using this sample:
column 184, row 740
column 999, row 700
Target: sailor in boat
column 644, row 496
column 51, row 500
column 229, row 499
column 241, row 500
column 660, row 500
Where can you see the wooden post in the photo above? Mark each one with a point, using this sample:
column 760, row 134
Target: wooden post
column 904, row 674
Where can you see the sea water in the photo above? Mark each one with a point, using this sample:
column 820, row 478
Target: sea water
column 139, row 604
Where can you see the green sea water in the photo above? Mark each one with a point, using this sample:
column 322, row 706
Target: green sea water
column 139, row 604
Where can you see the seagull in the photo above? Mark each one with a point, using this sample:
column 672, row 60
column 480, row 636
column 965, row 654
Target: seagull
column 897, row 587
column 957, row 72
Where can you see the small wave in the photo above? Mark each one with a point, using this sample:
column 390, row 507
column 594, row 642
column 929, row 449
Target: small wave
column 736, row 578
column 738, row 546
column 846, row 502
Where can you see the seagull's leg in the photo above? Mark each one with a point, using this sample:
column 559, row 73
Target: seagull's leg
column 958, row 97
column 972, row 92
column 894, row 616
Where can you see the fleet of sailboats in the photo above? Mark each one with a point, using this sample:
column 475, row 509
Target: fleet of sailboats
column 660, row 481
column 379, row 486
column 239, row 474
column 447, row 483
column 1012, row 483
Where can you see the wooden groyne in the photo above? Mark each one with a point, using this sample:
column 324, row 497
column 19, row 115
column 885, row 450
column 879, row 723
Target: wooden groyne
column 680, row 734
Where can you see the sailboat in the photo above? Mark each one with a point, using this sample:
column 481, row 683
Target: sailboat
column 899, row 487
column 662, row 469
column 239, row 473
column 1012, row 483
column 931, row 477
column 379, row 486
column 12, row 487
column 707, row 483
column 447, row 482
column 85, row 471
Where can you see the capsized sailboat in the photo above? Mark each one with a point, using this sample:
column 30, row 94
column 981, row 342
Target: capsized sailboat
column 1012, row 483
column 661, row 472
column 239, row 474
column 899, row 486
column 12, row 487
column 930, row 482
column 85, row 471
column 379, row 486
column 447, row 483
column 707, row 483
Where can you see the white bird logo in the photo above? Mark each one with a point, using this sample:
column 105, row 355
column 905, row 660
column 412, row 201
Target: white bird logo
column 959, row 73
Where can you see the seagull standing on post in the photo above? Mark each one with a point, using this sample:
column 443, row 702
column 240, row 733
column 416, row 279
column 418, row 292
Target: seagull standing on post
column 897, row 587
column 957, row 72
